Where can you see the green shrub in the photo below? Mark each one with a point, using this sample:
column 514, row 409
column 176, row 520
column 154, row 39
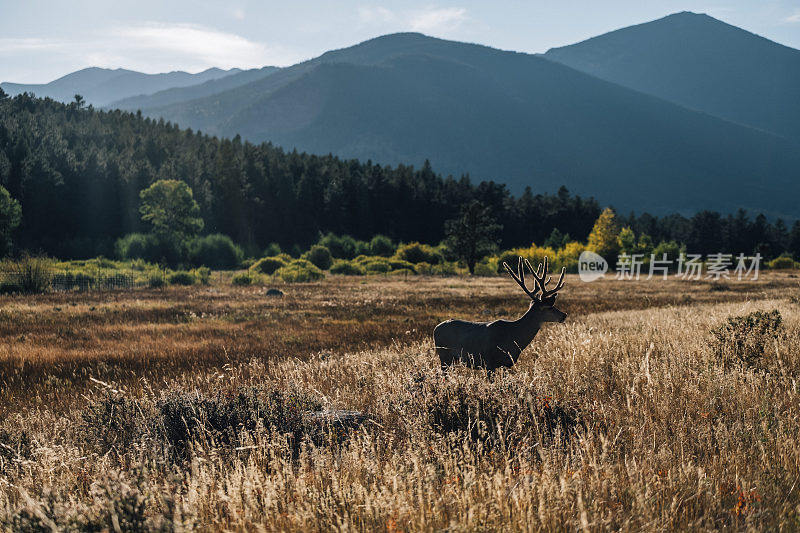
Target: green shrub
column 138, row 264
column 101, row 262
column 182, row 278
column 402, row 272
column 424, row 268
column 215, row 251
column 272, row 249
column 507, row 257
column 376, row 266
column 150, row 248
column 343, row 247
column 268, row 265
column 32, row 274
column 156, row 280
column 347, row 268
column 415, row 252
column 399, row 264
column 381, row 245
column 782, row 262
column 242, row 279
column 299, row 271
column 203, row 274
column 485, row 269
column 671, row 248
column 319, row 256
column 444, row 269
column 362, row 247
column 745, row 338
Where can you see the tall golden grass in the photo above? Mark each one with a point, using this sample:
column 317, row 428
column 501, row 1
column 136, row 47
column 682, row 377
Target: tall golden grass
column 624, row 418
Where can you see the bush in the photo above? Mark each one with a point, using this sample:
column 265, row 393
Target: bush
column 343, row 247
column 424, row 268
column 746, row 338
column 415, row 252
column 182, row 278
column 485, row 269
column 150, row 248
column 399, row 264
column 319, row 256
column 444, row 269
column 156, row 280
column 33, row 275
column 115, row 421
column 216, row 251
column 203, row 274
column 299, row 271
column 347, row 268
column 782, row 262
column 242, row 279
column 223, row 417
column 381, row 245
column 376, row 266
column 671, row 248
column 402, row 272
column 272, row 249
column 268, row 265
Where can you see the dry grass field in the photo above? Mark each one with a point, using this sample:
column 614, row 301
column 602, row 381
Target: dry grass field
column 189, row 409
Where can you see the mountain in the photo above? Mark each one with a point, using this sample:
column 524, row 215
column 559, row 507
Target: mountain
column 701, row 63
column 517, row 118
column 100, row 86
column 192, row 92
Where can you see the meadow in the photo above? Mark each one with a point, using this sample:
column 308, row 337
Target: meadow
column 193, row 408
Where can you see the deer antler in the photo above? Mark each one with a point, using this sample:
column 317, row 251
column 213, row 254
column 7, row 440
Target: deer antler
column 539, row 277
column 519, row 277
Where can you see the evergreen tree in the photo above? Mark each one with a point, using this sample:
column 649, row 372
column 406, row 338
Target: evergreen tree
column 10, row 216
column 473, row 234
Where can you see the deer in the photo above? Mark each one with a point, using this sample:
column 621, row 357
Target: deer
column 491, row 345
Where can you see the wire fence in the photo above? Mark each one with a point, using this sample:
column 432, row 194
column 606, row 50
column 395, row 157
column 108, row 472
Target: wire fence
column 68, row 281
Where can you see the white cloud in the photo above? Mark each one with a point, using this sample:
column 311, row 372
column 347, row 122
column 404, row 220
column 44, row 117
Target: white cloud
column 10, row 45
column 438, row 20
column 149, row 47
column 432, row 20
column 202, row 44
column 794, row 18
column 371, row 15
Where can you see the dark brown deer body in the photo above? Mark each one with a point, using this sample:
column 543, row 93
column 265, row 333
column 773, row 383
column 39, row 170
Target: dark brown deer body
column 492, row 345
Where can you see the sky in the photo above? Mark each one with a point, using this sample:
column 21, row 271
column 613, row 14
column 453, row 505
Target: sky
column 43, row 40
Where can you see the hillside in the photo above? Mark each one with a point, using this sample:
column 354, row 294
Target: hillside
column 516, row 118
column 101, row 86
column 78, row 173
column 192, row 92
column 701, row 63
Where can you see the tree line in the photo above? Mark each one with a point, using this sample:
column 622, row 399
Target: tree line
column 78, row 174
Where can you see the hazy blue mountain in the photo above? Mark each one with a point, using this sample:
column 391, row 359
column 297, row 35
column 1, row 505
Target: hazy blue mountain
column 702, row 63
column 192, row 92
column 100, row 86
column 516, row 118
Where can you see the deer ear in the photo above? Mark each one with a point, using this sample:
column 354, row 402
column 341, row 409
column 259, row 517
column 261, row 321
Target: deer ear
column 550, row 301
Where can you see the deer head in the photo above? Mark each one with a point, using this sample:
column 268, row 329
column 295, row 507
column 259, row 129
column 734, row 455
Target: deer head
column 543, row 300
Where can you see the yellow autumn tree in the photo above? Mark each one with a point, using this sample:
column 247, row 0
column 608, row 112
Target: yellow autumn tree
column 603, row 238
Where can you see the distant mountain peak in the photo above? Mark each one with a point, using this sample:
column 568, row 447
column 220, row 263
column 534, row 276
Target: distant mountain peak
column 702, row 63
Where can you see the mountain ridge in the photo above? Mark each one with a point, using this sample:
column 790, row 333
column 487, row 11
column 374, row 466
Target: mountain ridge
column 701, row 63
column 100, row 86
